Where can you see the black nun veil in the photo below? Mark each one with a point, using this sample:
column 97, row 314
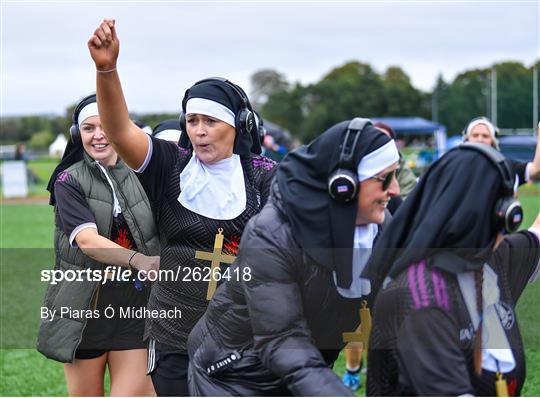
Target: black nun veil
column 323, row 227
column 74, row 151
column 72, row 154
column 450, row 215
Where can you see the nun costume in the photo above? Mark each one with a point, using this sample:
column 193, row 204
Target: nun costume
column 193, row 203
column 437, row 278
column 279, row 332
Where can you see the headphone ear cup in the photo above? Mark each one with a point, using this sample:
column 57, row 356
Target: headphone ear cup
column 74, row 131
column 262, row 133
column 245, row 121
column 251, row 123
column 75, row 134
column 183, row 140
column 343, row 185
column 183, row 122
column 508, row 215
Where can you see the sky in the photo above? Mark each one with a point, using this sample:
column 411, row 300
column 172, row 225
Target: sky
column 165, row 46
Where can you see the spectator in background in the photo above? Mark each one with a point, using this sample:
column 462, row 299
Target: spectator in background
column 144, row 127
column 20, row 150
column 274, row 140
column 20, row 154
column 406, row 178
column 481, row 130
column 168, row 130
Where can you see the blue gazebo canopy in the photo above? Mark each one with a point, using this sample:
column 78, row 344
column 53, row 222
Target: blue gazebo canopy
column 410, row 125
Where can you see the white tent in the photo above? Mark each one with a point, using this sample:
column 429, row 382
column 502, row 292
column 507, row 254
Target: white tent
column 56, row 149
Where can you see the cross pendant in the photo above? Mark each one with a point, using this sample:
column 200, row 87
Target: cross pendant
column 216, row 258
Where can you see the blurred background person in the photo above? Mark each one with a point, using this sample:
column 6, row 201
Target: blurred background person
column 168, row 130
column 481, row 130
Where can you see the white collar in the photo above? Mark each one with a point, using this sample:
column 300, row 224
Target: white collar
column 364, row 235
column 496, row 352
column 213, row 190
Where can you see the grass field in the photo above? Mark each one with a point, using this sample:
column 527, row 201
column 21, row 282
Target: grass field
column 25, row 248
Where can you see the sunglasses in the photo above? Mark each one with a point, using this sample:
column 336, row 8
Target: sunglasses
column 387, row 179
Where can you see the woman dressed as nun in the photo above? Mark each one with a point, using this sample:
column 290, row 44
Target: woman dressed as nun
column 103, row 220
column 444, row 321
column 203, row 192
column 280, row 332
column 168, row 130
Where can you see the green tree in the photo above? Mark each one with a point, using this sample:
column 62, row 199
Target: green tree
column 464, row 99
column 514, row 95
column 353, row 89
column 401, row 98
column 469, row 96
column 11, row 128
column 41, row 139
column 285, row 109
column 264, row 83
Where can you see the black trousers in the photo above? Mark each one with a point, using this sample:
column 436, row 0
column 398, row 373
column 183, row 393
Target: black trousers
column 169, row 371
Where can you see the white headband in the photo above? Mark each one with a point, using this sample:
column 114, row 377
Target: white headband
column 211, row 108
column 489, row 126
column 378, row 160
column 147, row 130
column 169, row 135
column 475, row 123
column 89, row 110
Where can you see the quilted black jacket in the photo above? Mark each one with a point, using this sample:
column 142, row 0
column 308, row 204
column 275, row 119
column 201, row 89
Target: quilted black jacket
column 279, row 332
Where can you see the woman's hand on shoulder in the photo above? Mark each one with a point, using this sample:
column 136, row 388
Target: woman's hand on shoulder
column 104, row 46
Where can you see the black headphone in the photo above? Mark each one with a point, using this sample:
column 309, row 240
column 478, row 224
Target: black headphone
column 74, row 130
column 260, row 127
column 508, row 211
column 343, row 185
column 244, row 120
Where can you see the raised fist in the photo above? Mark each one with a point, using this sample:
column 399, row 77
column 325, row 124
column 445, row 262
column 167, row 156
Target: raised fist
column 104, row 45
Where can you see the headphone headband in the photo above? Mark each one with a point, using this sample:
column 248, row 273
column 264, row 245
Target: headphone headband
column 241, row 93
column 346, row 157
column 496, row 159
column 74, row 131
column 508, row 213
column 343, row 185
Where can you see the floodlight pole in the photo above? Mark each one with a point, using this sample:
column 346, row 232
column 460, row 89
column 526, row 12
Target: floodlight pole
column 494, row 95
column 435, row 103
column 535, row 97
